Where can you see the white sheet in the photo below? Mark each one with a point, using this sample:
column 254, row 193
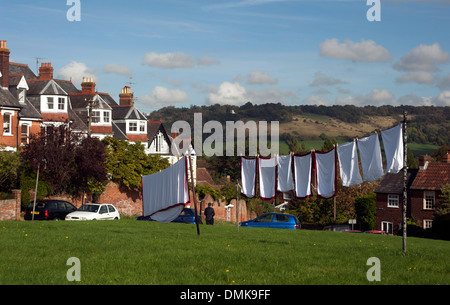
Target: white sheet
column 393, row 147
column 370, row 155
column 348, row 164
column 285, row 176
column 302, row 175
column 248, row 176
column 166, row 193
column 326, row 173
column 267, row 178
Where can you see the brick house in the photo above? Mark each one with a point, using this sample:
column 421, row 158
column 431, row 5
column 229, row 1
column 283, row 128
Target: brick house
column 423, row 191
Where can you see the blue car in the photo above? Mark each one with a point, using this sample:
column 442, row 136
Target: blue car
column 186, row 216
column 273, row 220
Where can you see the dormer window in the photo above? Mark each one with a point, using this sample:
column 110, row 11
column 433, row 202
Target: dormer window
column 50, row 103
column 61, row 103
column 22, row 96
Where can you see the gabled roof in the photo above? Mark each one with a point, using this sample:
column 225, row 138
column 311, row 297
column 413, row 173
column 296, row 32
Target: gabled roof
column 7, row 99
column 393, row 183
column 152, row 129
column 29, row 111
column 127, row 113
column 433, row 177
column 45, row 87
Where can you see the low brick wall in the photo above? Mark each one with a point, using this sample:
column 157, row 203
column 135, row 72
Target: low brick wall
column 10, row 208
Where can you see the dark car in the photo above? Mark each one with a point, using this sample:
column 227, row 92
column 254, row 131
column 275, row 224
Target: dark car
column 186, row 216
column 49, row 210
column 273, row 220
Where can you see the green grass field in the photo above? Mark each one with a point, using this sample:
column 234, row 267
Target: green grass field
column 140, row 252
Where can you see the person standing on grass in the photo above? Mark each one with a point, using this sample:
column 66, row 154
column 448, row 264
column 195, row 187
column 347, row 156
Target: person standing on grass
column 209, row 213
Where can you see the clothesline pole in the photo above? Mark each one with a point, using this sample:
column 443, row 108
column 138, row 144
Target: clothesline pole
column 237, row 204
column 193, row 193
column 405, row 179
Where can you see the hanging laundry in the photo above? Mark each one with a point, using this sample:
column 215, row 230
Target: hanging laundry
column 166, row 193
column 370, row 155
column 248, row 176
column 393, row 147
column 267, row 177
column 285, row 175
column 302, row 175
column 326, row 173
column 348, row 164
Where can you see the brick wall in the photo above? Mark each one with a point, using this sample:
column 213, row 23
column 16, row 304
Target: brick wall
column 10, row 209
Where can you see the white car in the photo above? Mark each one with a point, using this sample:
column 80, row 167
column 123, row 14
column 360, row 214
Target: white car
column 94, row 211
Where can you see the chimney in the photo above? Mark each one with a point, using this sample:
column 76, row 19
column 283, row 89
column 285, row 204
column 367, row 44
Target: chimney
column 423, row 161
column 46, row 71
column 446, row 157
column 88, row 86
column 4, row 64
column 126, row 97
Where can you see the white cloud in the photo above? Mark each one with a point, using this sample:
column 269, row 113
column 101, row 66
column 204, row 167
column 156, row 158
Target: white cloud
column 320, row 79
column 366, row 50
column 76, row 71
column 316, row 100
column 422, row 58
column 168, row 60
column 176, row 60
column 162, row 96
column 259, row 78
column 117, row 69
column 229, row 94
column 377, row 97
column 443, row 99
column 421, row 77
column 445, row 83
column 235, row 94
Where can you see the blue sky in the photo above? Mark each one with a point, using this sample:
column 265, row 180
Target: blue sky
column 199, row 52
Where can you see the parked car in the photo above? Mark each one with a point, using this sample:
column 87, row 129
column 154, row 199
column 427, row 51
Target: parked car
column 273, row 220
column 186, row 216
column 94, row 211
column 377, row 232
column 49, row 210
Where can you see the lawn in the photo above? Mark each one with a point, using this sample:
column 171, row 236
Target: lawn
column 139, row 252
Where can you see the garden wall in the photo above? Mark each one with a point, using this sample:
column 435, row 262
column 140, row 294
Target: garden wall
column 10, row 208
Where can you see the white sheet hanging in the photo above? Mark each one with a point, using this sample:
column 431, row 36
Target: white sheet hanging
column 248, row 176
column 285, row 176
column 348, row 164
column 326, row 173
column 393, row 147
column 166, row 193
column 267, row 177
column 370, row 154
column 302, row 175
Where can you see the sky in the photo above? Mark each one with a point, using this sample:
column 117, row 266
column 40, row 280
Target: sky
column 202, row 52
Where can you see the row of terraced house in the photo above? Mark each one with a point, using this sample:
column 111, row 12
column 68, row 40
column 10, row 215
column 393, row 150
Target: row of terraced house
column 30, row 102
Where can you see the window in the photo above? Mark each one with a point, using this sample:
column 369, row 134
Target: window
column 7, row 124
column 132, row 126
column 265, row 218
column 281, row 218
column 106, row 116
column 61, row 103
column 22, row 95
column 95, row 116
column 103, row 209
column 393, row 201
column 111, row 209
column 50, row 102
column 428, row 200
column 387, row 226
column 427, row 224
column 142, row 126
column 24, row 131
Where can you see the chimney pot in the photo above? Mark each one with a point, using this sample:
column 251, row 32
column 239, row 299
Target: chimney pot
column 4, row 64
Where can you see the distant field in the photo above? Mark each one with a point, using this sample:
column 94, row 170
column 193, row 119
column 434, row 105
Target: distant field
column 138, row 252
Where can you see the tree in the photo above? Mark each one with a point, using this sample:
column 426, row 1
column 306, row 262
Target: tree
column 366, row 211
column 126, row 163
column 9, row 165
column 90, row 173
column 444, row 202
column 53, row 151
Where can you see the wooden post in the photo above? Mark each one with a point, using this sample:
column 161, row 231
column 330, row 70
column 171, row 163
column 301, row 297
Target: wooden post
column 35, row 192
column 405, row 179
column 237, row 204
column 193, row 193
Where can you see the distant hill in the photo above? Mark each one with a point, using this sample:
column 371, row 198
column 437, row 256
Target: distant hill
column 426, row 124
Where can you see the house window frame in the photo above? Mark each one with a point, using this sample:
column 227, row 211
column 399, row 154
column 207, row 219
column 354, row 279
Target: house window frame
column 9, row 123
column 25, row 138
column 133, row 126
column 52, row 103
column 61, row 103
column 427, row 223
column 393, row 201
column 106, row 117
column 429, row 200
column 387, row 226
